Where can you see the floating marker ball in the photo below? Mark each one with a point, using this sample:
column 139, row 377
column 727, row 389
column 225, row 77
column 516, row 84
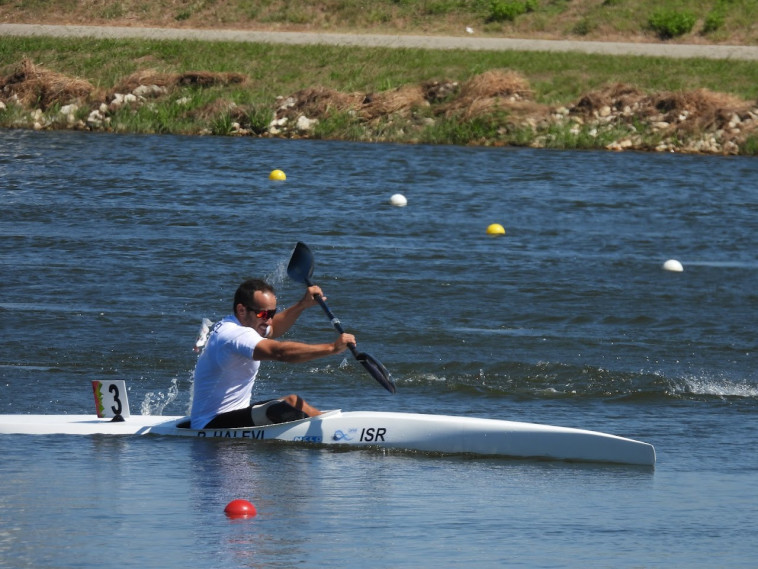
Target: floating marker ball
column 673, row 265
column 277, row 175
column 398, row 200
column 495, row 229
column 240, row 509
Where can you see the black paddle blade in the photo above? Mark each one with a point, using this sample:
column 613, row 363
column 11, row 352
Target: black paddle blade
column 377, row 371
column 300, row 268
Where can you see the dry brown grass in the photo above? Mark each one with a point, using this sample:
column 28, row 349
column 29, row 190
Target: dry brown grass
column 496, row 83
column 400, row 101
column 616, row 96
column 704, row 108
column 32, row 85
column 144, row 77
column 319, row 102
column 700, row 109
column 481, row 94
column 493, row 91
column 169, row 80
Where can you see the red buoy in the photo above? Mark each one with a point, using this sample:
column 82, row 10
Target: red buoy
column 240, row 509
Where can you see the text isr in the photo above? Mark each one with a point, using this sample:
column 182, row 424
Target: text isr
column 371, row 434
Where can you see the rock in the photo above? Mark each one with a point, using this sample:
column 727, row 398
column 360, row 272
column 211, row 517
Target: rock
column 623, row 144
column 149, row 91
column 287, row 103
column 117, row 102
column 95, row 119
column 276, row 126
column 304, row 124
column 69, row 109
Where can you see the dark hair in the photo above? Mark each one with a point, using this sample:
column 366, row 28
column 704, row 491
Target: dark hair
column 246, row 290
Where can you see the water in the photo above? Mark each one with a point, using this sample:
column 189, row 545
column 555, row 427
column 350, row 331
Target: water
column 115, row 247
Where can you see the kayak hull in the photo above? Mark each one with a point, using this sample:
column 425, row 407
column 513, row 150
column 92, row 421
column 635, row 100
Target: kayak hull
column 407, row 431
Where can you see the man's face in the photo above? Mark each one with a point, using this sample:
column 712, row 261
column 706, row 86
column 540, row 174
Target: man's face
column 248, row 315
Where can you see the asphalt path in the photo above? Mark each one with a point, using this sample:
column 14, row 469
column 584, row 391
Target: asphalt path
column 471, row 42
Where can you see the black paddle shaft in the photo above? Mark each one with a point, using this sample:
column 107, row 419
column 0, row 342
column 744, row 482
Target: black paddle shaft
column 332, row 318
column 300, row 269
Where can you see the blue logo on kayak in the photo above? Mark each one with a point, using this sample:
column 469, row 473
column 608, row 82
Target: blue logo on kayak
column 343, row 436
column 308, row 439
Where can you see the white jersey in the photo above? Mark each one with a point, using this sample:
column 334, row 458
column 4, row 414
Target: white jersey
column 225, row 371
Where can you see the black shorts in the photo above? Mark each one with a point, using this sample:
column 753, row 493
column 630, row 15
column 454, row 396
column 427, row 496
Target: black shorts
column 258, row 414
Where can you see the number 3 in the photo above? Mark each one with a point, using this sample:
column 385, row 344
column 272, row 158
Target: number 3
column 114, row 390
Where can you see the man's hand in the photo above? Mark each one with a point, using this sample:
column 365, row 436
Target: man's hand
column 341, row 344
column 309, row 299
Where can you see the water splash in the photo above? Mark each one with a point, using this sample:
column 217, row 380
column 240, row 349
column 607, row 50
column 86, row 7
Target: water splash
column 278, row 276
column 715, row 387
column 155, row 402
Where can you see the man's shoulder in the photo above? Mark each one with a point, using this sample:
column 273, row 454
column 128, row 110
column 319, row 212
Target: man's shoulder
column 230, row 328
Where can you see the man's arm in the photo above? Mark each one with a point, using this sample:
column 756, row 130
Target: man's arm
column 284, row 320
column 295, row 352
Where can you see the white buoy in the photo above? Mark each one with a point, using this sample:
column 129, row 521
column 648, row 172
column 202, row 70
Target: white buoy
column 398, row 200
column 673, row 265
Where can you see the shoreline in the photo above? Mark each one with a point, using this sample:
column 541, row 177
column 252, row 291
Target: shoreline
column 497, row 107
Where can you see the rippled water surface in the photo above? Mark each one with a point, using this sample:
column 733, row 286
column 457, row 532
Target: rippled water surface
column 114, row 248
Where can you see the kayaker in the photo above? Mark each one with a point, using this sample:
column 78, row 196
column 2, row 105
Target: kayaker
column 226, row 369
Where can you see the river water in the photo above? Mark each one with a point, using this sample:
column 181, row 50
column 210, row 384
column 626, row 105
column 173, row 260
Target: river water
column 115, row 247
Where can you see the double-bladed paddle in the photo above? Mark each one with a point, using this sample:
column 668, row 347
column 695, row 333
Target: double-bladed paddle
column 300, row 269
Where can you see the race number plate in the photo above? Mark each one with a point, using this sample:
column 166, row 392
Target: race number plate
column 110, row 398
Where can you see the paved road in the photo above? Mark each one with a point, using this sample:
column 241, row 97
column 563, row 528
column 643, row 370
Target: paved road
column 392, row 41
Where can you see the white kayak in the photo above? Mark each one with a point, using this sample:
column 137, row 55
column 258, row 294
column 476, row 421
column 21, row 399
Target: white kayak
column 409, row 431
column 406, row 431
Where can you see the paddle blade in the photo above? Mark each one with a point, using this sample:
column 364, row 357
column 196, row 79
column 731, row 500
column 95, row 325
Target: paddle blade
column 300, row 268
column 377, row 371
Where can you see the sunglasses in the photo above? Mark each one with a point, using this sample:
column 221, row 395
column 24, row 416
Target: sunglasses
column 262, row 314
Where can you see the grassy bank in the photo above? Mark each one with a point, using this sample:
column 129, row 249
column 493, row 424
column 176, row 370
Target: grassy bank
column 558, row 100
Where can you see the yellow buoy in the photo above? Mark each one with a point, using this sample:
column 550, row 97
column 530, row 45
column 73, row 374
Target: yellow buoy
column 495, row 229
column 277, row 175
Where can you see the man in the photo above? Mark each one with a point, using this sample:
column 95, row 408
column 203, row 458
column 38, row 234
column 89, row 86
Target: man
column 226, row 370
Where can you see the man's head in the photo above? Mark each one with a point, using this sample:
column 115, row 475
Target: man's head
column 255, row 305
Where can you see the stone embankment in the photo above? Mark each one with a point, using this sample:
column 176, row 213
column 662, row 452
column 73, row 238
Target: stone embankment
column 618, row 117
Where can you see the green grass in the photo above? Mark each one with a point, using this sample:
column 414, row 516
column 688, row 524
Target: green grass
column 557, row 78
